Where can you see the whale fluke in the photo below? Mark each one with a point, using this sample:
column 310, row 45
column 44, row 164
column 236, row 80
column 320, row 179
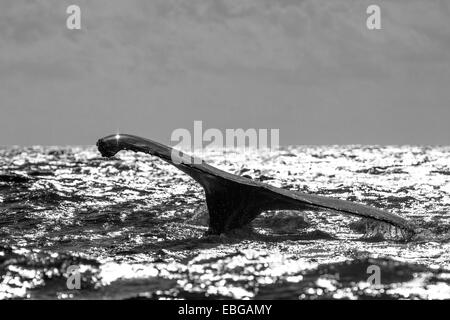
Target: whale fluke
column 234, row 201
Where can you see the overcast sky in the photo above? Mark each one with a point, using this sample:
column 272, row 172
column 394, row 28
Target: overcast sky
column 310, row 68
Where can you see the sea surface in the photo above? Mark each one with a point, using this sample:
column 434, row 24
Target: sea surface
column 133, row 226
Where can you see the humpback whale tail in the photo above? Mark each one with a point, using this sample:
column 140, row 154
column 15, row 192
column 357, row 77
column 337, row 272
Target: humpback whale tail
column 234, row 201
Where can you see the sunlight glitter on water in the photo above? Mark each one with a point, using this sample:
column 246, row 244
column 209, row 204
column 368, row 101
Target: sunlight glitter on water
column 131, row 216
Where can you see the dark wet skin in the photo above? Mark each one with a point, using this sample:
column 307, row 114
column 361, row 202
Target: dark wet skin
column 234, row 201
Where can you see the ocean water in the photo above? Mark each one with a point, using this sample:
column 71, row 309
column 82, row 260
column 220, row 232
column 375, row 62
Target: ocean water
column 135, row 226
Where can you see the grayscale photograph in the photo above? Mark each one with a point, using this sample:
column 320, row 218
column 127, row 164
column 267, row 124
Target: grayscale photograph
column 225, row 154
